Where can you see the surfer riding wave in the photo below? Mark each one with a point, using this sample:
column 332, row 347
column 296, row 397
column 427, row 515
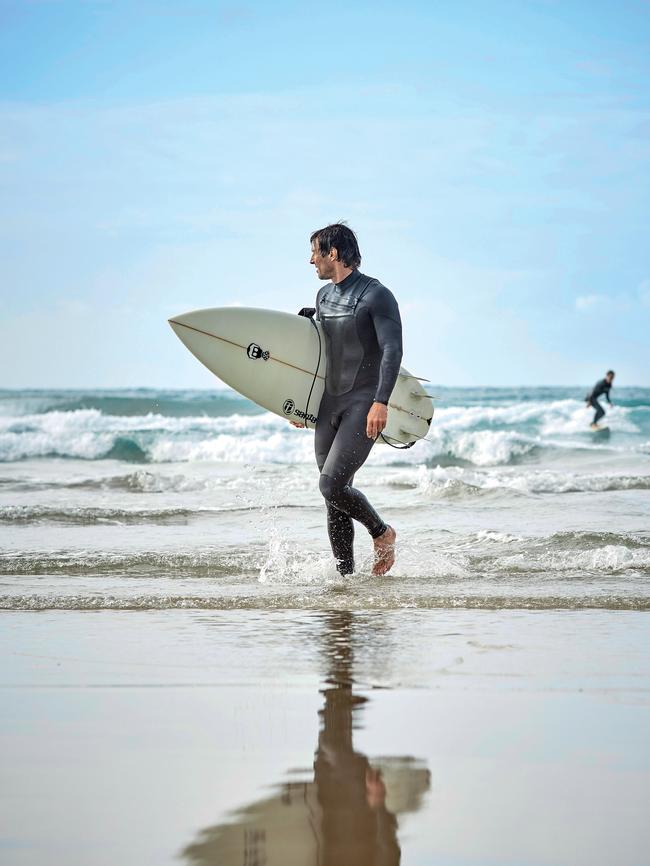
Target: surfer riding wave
column 601, row 387
column 363, row 335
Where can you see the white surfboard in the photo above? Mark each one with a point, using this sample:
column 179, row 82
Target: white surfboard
column 278, row 361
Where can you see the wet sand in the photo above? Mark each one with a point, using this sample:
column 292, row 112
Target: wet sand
column 259, row 737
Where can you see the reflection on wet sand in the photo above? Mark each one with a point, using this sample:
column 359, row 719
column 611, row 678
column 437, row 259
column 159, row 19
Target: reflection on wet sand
column 347, row 814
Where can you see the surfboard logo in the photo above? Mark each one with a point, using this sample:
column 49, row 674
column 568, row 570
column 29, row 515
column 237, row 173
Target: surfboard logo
column 255, row 352
column 289, row 408
column 305, row 417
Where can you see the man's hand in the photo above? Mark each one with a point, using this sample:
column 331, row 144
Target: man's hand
column 296, row 424
column 376, row 421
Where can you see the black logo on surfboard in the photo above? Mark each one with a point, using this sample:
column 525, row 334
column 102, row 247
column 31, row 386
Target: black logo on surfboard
column 255, row 352
column 289, row 408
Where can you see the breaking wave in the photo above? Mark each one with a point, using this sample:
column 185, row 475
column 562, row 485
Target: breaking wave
column 482, row 436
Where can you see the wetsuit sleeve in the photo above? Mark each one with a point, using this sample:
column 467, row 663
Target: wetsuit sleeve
column 388, row 328
column 607, row 387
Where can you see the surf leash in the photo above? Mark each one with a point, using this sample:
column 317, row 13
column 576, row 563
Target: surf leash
column 320, row 351
column 398, row 447
column 408, row 433
column 311, row 391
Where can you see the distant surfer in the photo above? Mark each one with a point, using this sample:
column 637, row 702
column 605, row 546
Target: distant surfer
column 603, row 386
column 363, row 335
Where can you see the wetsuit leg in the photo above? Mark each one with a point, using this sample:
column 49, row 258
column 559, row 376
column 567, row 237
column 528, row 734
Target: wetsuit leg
column 599, row 410
column 341, row 449
column 340, row 527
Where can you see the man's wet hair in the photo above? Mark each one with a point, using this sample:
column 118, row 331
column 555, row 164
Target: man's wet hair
column 344, row 241
column 611, row 373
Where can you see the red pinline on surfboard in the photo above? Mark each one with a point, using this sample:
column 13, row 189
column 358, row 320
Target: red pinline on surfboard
column 239, row 345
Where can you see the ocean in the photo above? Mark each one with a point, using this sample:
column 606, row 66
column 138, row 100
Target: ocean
column 149, row 499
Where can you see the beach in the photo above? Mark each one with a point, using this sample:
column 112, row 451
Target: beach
column 186, row 678
column 192, row 736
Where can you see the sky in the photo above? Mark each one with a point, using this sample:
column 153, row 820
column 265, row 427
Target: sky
column 159, row 157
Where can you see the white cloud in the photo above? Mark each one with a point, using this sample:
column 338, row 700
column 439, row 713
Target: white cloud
column 588, row 302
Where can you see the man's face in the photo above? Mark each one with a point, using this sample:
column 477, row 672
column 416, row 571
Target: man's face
column 609, row 378
column 324, row 264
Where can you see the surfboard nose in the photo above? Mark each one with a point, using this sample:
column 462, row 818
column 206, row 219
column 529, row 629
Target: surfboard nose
column 178, row 325
column 186, row 327
column 194, row 320
column 182, row 319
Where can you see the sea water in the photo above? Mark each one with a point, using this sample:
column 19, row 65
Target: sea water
column 148, row 499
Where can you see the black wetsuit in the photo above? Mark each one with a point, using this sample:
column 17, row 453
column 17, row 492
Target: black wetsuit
column 363, row 335
column 601, row 387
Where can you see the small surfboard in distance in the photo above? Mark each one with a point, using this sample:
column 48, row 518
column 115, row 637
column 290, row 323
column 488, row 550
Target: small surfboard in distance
column 278, row 361
column 601, row 431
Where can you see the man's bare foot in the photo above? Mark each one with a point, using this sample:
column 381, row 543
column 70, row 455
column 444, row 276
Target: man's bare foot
column 385, row 551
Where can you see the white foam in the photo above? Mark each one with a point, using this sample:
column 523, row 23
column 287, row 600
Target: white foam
column 444, row 481
column 277, row 447
column 147, row 481
column 551, row 417
column 286, row 562
column 498, row 537
column 266, row 438
column 611, row 558
column 88, row 434
column 74, row 434
column 565, row 418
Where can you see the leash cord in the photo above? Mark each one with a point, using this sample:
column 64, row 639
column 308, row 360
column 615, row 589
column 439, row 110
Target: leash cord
column 397, row 447
column 320, row 352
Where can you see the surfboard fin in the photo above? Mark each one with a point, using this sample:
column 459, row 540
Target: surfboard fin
column 409, row 376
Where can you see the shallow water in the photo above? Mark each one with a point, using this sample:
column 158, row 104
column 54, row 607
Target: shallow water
column 141, row 499
column 296, row 737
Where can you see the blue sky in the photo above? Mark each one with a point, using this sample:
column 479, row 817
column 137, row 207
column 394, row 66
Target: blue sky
column 493, row 157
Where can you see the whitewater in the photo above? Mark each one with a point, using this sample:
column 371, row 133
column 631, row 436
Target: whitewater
column 150, row 499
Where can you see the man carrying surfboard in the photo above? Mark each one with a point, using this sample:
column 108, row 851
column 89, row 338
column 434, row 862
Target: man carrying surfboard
column 363, row 334
column 601, row 387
